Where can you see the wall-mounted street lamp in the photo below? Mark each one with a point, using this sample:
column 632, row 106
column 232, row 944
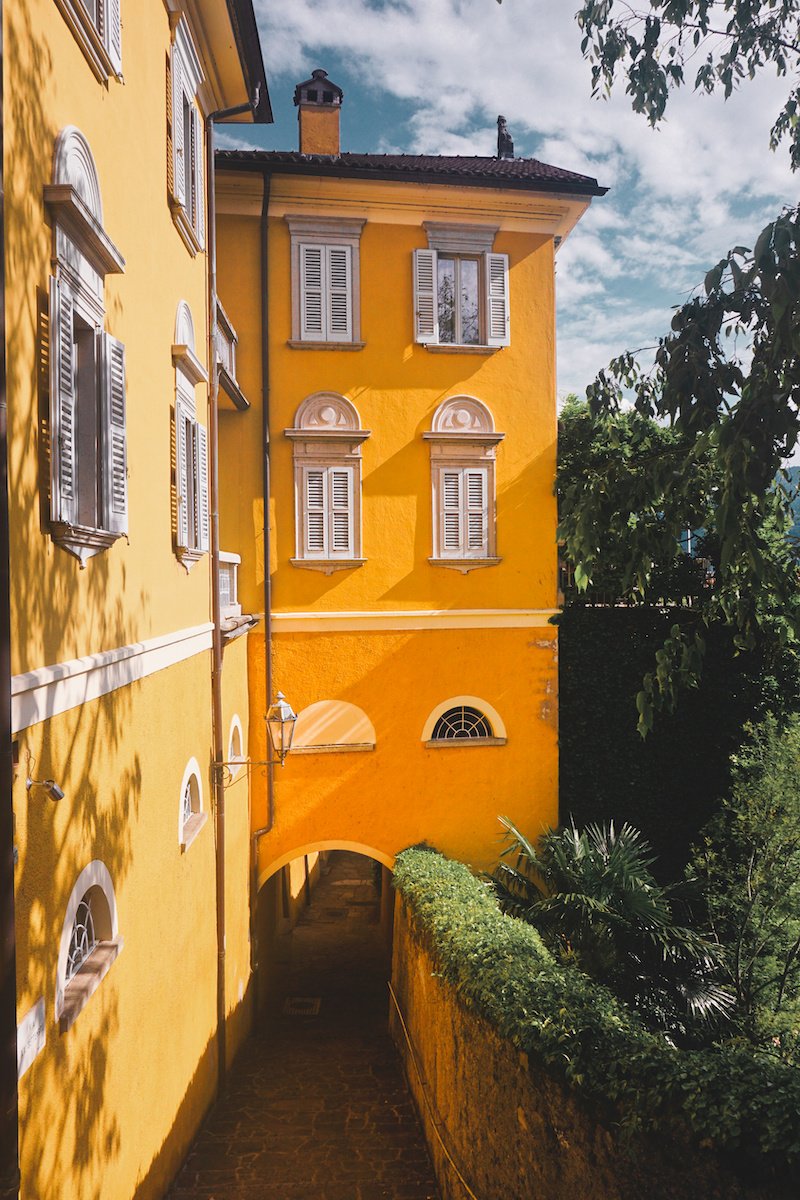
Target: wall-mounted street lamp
column 50, row 786
column 281, row 720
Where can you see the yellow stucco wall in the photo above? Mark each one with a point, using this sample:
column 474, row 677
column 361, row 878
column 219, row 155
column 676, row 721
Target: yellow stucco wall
column 402, row 792
column 108, row 1107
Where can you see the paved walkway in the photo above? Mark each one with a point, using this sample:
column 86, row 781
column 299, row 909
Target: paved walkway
column 317, row 1106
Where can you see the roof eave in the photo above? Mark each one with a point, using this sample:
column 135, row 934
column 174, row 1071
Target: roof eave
column 245, row 31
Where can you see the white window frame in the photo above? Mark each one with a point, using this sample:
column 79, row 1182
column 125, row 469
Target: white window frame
column 229, row 584
column 326, row 310
column 186, row 144
column 189, row 827
column 99, row 36
column 236, row 760
column 499, row 735
column 87, row 420
column 72, row 995
column 463, row 444
column 461, row 242
column 327, row 437
column 190, row 440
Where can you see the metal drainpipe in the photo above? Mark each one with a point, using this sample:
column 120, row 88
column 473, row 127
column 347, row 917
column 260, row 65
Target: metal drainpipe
column 9, row 1100
column 259, row 833
column 218, row 781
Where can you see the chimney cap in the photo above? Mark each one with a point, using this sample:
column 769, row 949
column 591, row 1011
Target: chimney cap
column 318, row 90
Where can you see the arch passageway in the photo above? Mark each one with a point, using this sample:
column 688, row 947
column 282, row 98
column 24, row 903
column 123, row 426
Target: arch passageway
column 317, row 1104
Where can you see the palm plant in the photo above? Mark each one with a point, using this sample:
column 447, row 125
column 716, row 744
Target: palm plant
column 593, row 897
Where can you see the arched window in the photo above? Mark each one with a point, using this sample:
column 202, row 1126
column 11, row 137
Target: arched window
column 463, row 441
column 327, row 437
column 236, row 754
column 87, row 421
column 89, row 941
column 464, row 721
column 332, row 725
column 192, row 523
column 191, row 817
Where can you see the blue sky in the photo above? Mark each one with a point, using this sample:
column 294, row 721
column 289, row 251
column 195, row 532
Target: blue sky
column 430, row 76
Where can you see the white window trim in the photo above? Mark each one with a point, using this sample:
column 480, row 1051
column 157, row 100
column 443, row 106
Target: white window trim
column 462, row 436
column 186, row 78
column 326, row 232
column 189, row 372
column 463, row 241
column 234, row 561
column 495, row 720
column 327, row 435
column 188, row 830
column 101, row 47
column 72, row 996
column 236, row 761
column 83, row 254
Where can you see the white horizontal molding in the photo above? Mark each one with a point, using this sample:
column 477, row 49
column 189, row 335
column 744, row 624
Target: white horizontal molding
column 409, row 619
column 46, row 692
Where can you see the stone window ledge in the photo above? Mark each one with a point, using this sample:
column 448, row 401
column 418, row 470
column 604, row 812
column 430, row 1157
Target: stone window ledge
column 327, row 565
column 457, row 348
column 334, row 748
column 191, row 829
column 463, row 743
column 85, row 983
column 296, row 344
column 464, row 564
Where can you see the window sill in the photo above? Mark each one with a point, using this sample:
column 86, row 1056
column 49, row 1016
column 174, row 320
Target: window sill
column 294, row 344
column 335, row 748
column 82, row 986
column 81, row 540
column 463, row 743
column 327, row 565
column 188, row 558
column 455, row 348
column 464, row 564
column 191, row 829
column 185, row 228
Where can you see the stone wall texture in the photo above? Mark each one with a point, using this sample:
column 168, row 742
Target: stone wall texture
column 495, row 1118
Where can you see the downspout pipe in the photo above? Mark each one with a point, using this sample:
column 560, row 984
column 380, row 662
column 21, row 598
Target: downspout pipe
column 218, row 769
column 9, row 1099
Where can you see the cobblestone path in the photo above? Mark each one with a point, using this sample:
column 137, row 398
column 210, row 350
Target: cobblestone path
column 317, row 1107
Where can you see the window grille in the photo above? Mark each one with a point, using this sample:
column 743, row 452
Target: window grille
column 463, row 721
column 82, row 940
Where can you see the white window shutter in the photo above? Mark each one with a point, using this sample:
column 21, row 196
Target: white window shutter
column 451, row 514
column 339, row 297
column 182, row 450
column 340, row 482
column 201, row 497
column 498, row 328
column 312, row 293
column 63, row 407
column 113, row 34
column 476, row 512
column 113, row 435
column 426, row 304
column 199, row 215
column 178, row 165
column 315, row 512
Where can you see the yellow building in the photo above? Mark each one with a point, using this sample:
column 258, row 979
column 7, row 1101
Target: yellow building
column 129, row 974
column 407, row 312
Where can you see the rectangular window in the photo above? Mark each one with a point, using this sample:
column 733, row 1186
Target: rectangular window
column 191, row 483
column 97, row 28
column 186, row 140
column 463, row 512
column 328, row 512
column 461, row 299
column 326, row 301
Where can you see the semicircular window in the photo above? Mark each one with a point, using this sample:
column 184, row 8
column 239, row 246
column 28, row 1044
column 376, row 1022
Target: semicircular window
column 83, row 940
column 463, row 721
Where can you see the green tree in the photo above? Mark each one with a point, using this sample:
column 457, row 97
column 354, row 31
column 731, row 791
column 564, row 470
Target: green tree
column 747, row 863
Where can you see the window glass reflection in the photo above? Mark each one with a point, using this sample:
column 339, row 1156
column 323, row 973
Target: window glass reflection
column 447, row 299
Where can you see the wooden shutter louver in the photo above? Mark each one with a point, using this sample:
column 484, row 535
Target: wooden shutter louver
column 426, row 305
column 114, row 436
column 476, row 515
column 341, row 511
column 63, row 406
column 201, row 482
column 451, row 516
column 315, row 513
column 178, row 165
column 183, row 499
column 113, row 38
column 199, row 215
column 312, row 290
column 339, row 325
column 497, row 314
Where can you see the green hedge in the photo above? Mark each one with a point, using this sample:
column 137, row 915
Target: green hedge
column 671, row 783
column 729, row 1098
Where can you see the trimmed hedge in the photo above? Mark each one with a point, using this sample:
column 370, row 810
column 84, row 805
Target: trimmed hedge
column 670, row 784
column 729, row 1098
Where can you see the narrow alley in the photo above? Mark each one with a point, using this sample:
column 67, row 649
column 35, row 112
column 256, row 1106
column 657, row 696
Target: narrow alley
column 317, row 1105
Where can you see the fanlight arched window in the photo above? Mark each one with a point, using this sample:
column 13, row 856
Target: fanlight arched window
column 462, row 721
column 191, row 817
column 90, row 941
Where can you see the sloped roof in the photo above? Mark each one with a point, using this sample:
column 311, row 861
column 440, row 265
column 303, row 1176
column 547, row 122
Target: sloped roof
column 519, row 173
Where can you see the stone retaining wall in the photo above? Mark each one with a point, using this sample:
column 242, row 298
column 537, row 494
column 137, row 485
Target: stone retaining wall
column 513, row 1132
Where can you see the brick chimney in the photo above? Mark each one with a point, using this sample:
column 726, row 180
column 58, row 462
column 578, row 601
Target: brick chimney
column 318, row 103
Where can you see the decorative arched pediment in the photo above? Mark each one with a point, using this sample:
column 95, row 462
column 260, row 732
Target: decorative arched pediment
column 327, row 412
column 74, row 164
column 183, row 349
column 462, row 415
column 184, row 326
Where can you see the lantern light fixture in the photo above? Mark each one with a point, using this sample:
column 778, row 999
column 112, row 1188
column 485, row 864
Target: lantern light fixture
column 281, row 720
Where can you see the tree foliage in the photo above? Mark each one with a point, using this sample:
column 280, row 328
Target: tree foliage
column 656, row 46
column 747, row 863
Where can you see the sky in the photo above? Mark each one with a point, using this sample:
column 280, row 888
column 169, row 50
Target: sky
column 431, row 76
